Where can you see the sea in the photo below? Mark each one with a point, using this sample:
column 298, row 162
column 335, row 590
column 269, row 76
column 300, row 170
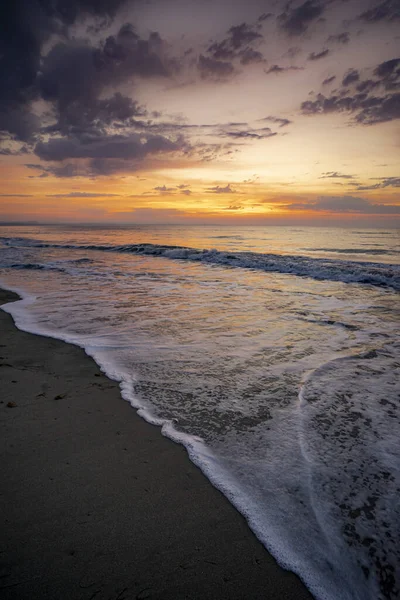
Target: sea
column 270, row 353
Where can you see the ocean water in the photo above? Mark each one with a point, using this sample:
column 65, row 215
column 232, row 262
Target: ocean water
column 271, row 353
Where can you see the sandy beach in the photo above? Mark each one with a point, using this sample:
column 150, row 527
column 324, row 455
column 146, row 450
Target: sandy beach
column 97, row 504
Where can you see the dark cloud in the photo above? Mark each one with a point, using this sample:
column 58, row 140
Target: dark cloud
column 277, row 69
column 384, row 182
column 250, row 56
column 114, row 146
column 221, row 190
column 234, row 207
column 388, row 74
column 335, row 175
column 241, row 35
column 20, row 123
column 66, row 170
column 388, row 10
column 368, row 110
column 237, row 45
column 340, row 38
column 351, row 77
column 256, row 134
column 16, row 195
column 163, row 189
column 346, row 204
column 11, row 152
column 297, row 20
column 278, row 120
column 318, row 55
column 329, row 80
column 370, row 103
column 264, row 17
column 211, row 68
column 186, row 192
column 25, row 27
column 75, row 74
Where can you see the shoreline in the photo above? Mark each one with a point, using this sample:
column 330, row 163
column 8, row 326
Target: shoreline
column 97, row 504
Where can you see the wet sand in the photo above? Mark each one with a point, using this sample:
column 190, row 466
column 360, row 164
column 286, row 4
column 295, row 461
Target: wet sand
column 96, row 504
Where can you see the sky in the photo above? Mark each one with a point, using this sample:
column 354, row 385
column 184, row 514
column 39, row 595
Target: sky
column 233, row 112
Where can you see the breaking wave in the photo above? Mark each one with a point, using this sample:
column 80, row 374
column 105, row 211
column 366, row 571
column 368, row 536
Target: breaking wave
column 370, row 273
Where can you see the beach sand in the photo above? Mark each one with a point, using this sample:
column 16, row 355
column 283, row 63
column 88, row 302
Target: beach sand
column 97, row 505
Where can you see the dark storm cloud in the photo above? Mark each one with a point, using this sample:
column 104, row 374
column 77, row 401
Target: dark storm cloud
column 340, row 38
column 388, row 10
column 74, row 78
column 318, row 55
column 370, row 102
column 114, row 146
column 75, row 74
column 25, row 26
column 211, row 68
column 346, row 204
column 297, row 20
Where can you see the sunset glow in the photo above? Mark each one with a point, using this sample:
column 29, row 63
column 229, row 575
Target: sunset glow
column 201, row 112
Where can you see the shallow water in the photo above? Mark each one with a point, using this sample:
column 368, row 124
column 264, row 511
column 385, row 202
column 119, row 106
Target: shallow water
column 271, row 353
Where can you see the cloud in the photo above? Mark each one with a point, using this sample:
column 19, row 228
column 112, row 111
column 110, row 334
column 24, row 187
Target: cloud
column 318, row 55
column 367, row 109
column 16, row 195
column 255, row 134
column 384, row 182
column 277, row 69
column 10, row 152
column 221, row 190
column 82, row 195
column 340, row 38
column 163, row 189
column 335, row 175
column 211, row 68
column 351, row 77
column 278, row 120
column 264, row 17
column 388, row 10
column 249, row 56
column 388, row 74
column 329, row 80
column 133, row 147
column 25, row 28
column 346, row 204
column 296, row 21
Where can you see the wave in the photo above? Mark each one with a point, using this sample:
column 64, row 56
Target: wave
column 353, row 251
column 370, row 273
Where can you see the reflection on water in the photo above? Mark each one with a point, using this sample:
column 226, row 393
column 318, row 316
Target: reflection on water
column 283, row 388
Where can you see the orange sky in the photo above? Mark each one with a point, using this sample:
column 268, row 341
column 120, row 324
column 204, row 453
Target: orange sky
column 250, row 116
